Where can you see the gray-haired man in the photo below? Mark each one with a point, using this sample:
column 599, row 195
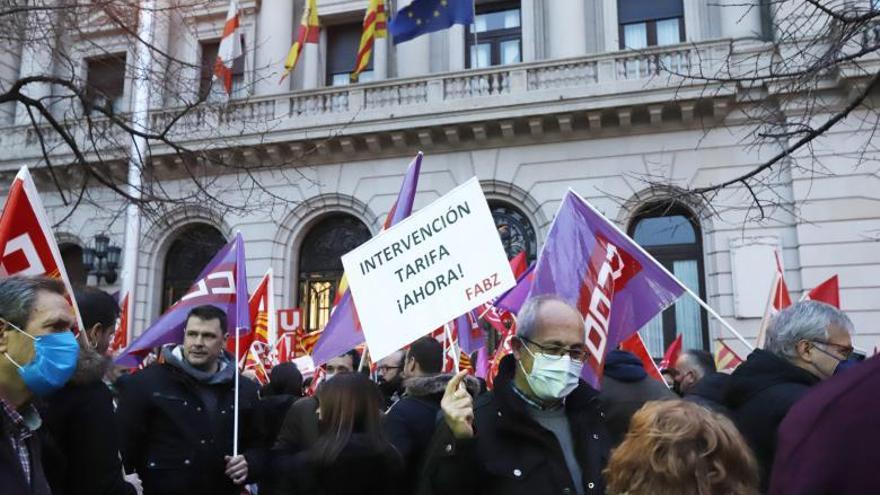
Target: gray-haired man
column 806, row 343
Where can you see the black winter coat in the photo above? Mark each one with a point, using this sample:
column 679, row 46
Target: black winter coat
column 511, row 454
column 360, row 469
column 411, row 421
column 12, row 478
column 625, row 389
column 174, row 443
column 760, row 393
column 710, row 392
column 77, row 418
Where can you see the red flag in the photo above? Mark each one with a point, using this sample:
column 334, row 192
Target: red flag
column 317, row 378
column 636, row 345
column 827, row 292
column 120, row 334
column 672, row 353
column 27, row 246
column 779, row 299
column 725, row 358
column 519, row 264
column 259, row 307
column 230, row 47
column 503, row 349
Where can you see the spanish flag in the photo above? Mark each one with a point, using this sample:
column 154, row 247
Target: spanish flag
column 309, row 32
column 374, row 27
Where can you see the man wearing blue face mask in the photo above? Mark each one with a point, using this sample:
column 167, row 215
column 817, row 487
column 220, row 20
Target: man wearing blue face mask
column 541, row 429
column 38, row 354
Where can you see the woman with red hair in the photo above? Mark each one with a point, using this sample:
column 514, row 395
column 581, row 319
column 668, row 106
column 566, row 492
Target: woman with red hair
column 680, row 448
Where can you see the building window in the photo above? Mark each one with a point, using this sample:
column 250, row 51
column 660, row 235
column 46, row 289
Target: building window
column 645, row 23
column 671, row 234
column 105, row 84
column 343, row 41
column 208, row 89
column 515, row 229
column 320, row 265
column 495, row 37
column 192, row 249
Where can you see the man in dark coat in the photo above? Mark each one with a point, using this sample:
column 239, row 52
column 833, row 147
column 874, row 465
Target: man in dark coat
column 805, row 343
column 30, row 308
column 697, row 380
column 828, row 442
column 541, row 429
column 176, row 418
column 411, row 421
column 626, row 387
column 77, row 416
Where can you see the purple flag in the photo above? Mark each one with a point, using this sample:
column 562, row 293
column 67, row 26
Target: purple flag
column 471, row 336
column 614, row 283
column 222, row 283
column 343, row 332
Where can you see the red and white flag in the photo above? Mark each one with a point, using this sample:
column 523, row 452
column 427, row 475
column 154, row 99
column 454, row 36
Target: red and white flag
column 27, row 245
column 827, row 292
column 778, row 300
column 725, row 359
column 230, row 47
column 260, row 306
column 120, row 334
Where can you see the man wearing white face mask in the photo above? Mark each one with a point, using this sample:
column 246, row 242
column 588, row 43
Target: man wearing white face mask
column 541, row 429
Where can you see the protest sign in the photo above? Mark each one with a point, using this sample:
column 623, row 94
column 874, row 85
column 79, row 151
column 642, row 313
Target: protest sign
column 427, row 270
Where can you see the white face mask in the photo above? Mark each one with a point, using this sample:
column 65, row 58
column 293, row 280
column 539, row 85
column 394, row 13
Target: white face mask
column 552, row 377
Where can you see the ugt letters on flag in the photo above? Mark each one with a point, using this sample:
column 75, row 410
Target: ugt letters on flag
column 615, row 285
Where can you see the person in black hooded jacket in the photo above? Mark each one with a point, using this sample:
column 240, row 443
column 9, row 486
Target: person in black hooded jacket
column 805, row 344
column 626, row 387
column 84, row 452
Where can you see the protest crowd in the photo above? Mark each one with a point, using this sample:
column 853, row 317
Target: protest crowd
column 566, row 399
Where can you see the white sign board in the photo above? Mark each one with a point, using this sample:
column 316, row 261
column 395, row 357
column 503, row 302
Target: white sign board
column 427, row 270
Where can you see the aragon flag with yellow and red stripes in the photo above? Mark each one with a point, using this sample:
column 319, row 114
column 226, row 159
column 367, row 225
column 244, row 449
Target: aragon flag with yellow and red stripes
column 375, row 27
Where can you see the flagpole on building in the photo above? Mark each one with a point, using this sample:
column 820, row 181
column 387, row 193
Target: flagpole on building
column 136, row 159
column 667, row 272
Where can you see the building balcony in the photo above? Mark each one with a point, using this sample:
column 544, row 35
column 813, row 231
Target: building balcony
column 451, row 110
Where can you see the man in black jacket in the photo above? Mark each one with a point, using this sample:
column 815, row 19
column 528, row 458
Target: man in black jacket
column 30, row 308
column 78, row 415
column 697, row 380
column 805, row 344
column 176, row 417
column 411, row 421
column 540, row 431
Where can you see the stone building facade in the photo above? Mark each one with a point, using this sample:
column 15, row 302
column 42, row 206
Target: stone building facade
column 546, row 95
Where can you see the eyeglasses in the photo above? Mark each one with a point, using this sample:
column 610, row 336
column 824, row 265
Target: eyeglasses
column 557, row 352
column 385, row 369
column 845, row 350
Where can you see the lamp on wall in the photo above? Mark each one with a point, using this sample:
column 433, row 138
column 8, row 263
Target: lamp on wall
column 102, row 260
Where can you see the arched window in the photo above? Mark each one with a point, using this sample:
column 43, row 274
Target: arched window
column 671, row 234
column 72, row 257
column 515, row 230
column 191, row 250
column 320, row 264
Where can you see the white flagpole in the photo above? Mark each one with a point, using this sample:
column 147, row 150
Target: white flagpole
column 683, row 286
column 235, row 406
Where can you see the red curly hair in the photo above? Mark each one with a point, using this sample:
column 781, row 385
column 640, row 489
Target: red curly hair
column 680, row 448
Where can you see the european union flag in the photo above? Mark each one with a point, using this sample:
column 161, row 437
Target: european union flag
column 427, row 16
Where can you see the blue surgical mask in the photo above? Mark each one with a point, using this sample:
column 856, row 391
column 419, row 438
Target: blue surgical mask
column 55, row 357
column 845, row 365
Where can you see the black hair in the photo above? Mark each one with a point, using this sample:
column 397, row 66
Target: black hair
column 428, row 353
column 284, row 379
column 208, row 312
column 702, row 360
column 96, row 306
column 355, row 359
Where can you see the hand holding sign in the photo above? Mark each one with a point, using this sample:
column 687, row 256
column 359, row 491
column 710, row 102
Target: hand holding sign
column 427, row 270
column 458, row 407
